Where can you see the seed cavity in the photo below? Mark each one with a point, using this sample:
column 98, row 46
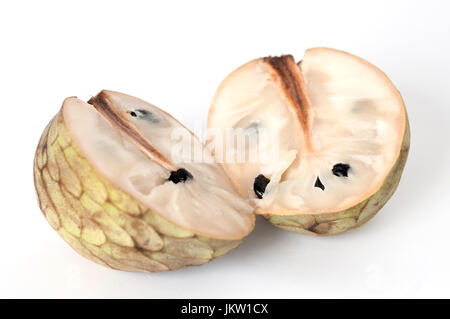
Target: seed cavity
column 144, row 114
column 341, row 170
column 260, row 184
column 319, row 184
column 180, row 175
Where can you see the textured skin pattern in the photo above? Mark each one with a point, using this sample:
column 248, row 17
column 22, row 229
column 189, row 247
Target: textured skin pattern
column 337, row 223
column 103, row 223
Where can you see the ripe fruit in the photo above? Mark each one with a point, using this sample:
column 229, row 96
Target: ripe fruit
column 342, row 138
column 107, row 184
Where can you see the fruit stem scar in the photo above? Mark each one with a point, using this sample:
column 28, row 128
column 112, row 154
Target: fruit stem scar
column 294, row 89
column 103, row 106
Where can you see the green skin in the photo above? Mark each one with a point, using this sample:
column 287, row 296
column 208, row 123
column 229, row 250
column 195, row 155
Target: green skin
column 103, row 223
column 337, row 223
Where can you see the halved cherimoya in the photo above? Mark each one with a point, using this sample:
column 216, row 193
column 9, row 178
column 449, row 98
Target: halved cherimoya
column 107, row 184
column 342, row 138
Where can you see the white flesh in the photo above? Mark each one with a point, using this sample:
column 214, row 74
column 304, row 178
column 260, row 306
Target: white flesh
column 207, row 204
column 357, row 117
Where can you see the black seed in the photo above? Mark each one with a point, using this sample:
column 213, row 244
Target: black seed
column 319, row 184
column 341, row 170
column 144, row 114
column 260, row 184
column 180, row 175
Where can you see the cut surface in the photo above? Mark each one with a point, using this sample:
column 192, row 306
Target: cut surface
column 337, row 125
column 134, row 145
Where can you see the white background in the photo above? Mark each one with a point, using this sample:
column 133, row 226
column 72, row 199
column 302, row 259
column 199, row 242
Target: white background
column 174, row 54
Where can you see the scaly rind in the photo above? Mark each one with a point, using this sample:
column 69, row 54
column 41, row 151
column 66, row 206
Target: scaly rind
column 104, row 224
column 337, row 223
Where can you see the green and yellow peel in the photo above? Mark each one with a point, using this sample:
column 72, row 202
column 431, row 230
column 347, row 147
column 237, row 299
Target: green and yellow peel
column 103, row 223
